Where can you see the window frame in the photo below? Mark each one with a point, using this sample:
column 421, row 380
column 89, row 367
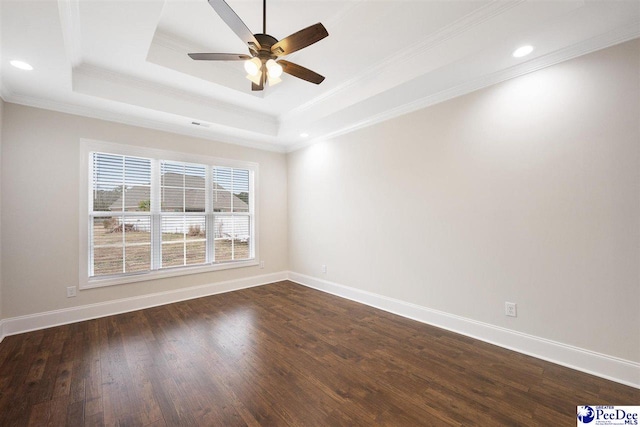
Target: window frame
column 88, row 146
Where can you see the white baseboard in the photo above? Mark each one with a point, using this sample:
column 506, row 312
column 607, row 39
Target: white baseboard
column 602, row 365
column 32, row 322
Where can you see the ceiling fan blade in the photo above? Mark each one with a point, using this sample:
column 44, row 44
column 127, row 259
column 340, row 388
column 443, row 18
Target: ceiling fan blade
column 234, row 22
column 218, row 56
column 300, row 72
column 299, row 40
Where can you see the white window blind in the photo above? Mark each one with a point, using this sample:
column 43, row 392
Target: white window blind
column 148, row 215
column 231, row 213
column 120, row 224
column 183, row 209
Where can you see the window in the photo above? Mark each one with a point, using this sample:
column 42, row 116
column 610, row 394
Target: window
column 120, row 223
column 155, row 213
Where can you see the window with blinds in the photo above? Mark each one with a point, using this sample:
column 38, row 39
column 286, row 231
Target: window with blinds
column 120, row 222
column 148, row 215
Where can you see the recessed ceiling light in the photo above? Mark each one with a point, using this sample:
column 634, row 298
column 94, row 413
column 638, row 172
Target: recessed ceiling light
column 304, row 134
column 522, row 51
column 21, row 65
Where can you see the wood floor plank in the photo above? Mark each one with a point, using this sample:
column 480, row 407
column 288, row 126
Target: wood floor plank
column 39, row 414
column 281, row 355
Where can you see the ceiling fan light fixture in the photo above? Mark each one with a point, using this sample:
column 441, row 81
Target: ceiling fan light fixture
column 257, row 78
column 252, row 66
column 274, row 70
column 273, row 80
column 263, row 64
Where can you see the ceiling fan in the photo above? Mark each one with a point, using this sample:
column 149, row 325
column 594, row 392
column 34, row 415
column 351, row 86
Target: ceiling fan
column 263, row 65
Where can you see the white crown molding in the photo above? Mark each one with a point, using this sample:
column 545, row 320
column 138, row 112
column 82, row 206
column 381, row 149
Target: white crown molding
column 69, row 11
column 308, row 143
column 448, row 32
column 176, row 43
column 612, row 38
column 594, row 44
column 99, row 73
column 32, row 322
column 5, row 92
column 100, row 114
column 602, row 365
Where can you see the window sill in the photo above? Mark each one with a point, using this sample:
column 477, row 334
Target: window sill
column 161, row 274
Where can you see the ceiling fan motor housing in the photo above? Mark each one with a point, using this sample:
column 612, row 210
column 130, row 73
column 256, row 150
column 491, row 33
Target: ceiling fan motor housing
column 265, row 48
column 264, row 53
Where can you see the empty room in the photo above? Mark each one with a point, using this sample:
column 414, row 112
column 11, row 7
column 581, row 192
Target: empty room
column 319, row 213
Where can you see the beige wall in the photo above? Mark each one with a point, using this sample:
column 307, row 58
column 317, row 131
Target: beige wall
column 40, row 208
column 527, row 191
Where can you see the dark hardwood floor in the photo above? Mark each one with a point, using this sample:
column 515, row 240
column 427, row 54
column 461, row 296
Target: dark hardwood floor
column 280, row 354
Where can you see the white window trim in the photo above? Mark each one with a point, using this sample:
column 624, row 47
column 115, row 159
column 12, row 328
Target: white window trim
column 88, row 146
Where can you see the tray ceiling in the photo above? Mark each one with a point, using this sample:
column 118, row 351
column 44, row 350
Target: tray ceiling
column 127, row 60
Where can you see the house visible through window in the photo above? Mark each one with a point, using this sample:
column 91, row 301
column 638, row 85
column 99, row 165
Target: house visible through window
column 150, row 215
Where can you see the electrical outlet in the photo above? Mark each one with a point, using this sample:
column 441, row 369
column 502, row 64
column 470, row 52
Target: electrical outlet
column 511, row 309
column 261, row 264
column 324, row 269
column 71, row 291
